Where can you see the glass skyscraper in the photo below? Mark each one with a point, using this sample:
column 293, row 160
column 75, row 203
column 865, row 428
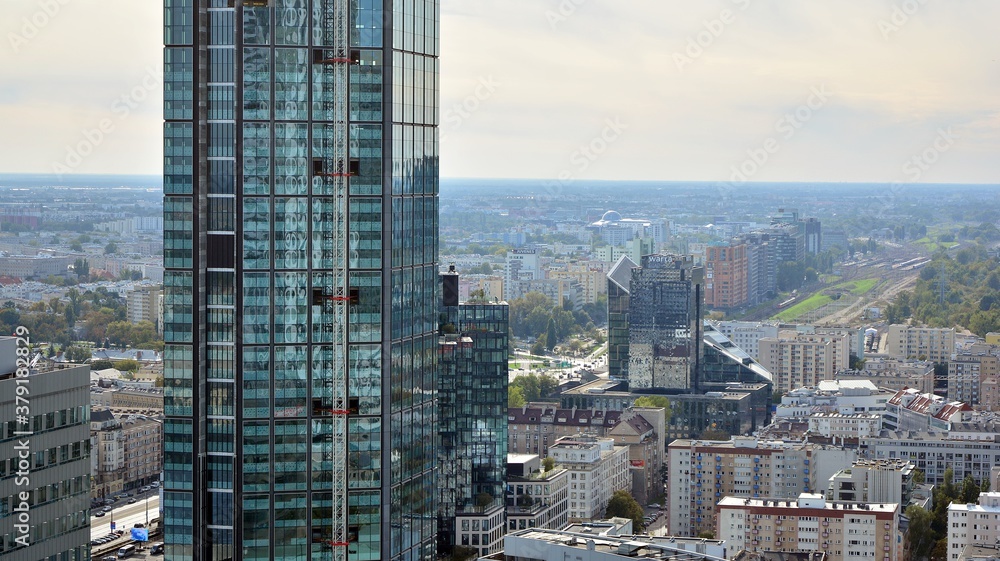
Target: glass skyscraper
column 301, row 283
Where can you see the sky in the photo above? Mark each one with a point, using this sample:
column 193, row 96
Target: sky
column 564, row 90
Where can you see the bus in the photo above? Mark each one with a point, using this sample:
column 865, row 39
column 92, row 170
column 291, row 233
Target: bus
column 126, row 551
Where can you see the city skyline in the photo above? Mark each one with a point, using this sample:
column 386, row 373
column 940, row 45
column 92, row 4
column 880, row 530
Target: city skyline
column 887, row 82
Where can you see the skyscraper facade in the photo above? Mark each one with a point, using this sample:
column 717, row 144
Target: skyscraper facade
column 472, row 421
column 301, row 284
column 665, row 325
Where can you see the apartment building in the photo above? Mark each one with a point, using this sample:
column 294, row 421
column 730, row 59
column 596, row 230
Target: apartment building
column 968, row 373
column 894, row 374
column 973, row 524
column 935, row 344
column 700, row 473
column 804, row 359
column 843, row 428
column 129, row 451
column 536, row 498
column 726, row 276
column 597, row 468
column 911, row 410
column 841, row 530
column 534, row 428
column 933, row 452
column 873, row 481
column 847, row 397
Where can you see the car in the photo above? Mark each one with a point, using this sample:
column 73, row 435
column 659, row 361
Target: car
column 99, row 513
column 654, row 505
column 155, row 484
column 132, row 501
column 107, row 509
column 156, row 548
column 144, row 489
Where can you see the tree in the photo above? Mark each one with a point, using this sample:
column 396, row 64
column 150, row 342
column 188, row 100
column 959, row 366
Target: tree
column 550, row 335
column 970, row 490
column 515, row 397
column 918, row 476
column 549, row 463
column 102, row 364
column 919, row 538
column 77, row 354
column 126, row 365
column 111, row 248
column 622, row 504
column 655, row 401
column 713, row 433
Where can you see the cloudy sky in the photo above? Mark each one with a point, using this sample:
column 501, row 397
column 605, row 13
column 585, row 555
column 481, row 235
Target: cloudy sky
column 743, row 90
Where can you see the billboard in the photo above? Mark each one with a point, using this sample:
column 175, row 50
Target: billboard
column 140, row 534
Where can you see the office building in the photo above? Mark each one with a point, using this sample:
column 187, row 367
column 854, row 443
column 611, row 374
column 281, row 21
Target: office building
column 746, row 334
column 301, row 286
column 893, row 374
column 597, row 468
column 619, row 285
column 45, row 472
column 809, row 522
column 701, row 472
column 665, row 325
column 472, row 421
column 973, row 524
column 834, row 396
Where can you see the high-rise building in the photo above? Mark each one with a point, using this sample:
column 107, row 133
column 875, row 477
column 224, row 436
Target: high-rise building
column 665, row 325
column 472, row 417
column 44, row 459
column 726, row 278
column 301, row 284
column 619, row 282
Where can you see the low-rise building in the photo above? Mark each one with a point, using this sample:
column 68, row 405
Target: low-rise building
column 129, row 451
column 844, row 428
column 597, row 468
column 873, row 481
column 972, row 524
column 599, row 542
column 842, row 530
column 536, row 498
column 933, row 452
column 847, row 397
column 893, row 374
column 911, row 410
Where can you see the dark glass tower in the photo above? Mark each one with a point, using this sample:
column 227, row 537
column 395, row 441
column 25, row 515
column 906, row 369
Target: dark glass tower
column 665, row 325
column 301, row 289
column 472, row 397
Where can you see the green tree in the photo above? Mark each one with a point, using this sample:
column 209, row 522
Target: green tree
column 102, row 364
column 655, row 401
column 623, row 505
column 77, row 354
column 515, row 397
column 126, row 365
column 549, row 463
column 970, row 490
column 550, row 335
column 111, row 248
column 919, row 538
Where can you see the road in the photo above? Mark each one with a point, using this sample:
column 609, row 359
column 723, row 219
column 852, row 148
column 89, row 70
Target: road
column 125, row 517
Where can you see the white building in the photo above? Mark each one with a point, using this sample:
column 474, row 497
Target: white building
column 747, row 334
column 595, row 543
column 535, row 498
column 845, row 427
column 597, row 468
column 834, row 396
column 811, row 523
column 970, row 524
column 803, row 359
column 872, row 481
column 934, row 452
